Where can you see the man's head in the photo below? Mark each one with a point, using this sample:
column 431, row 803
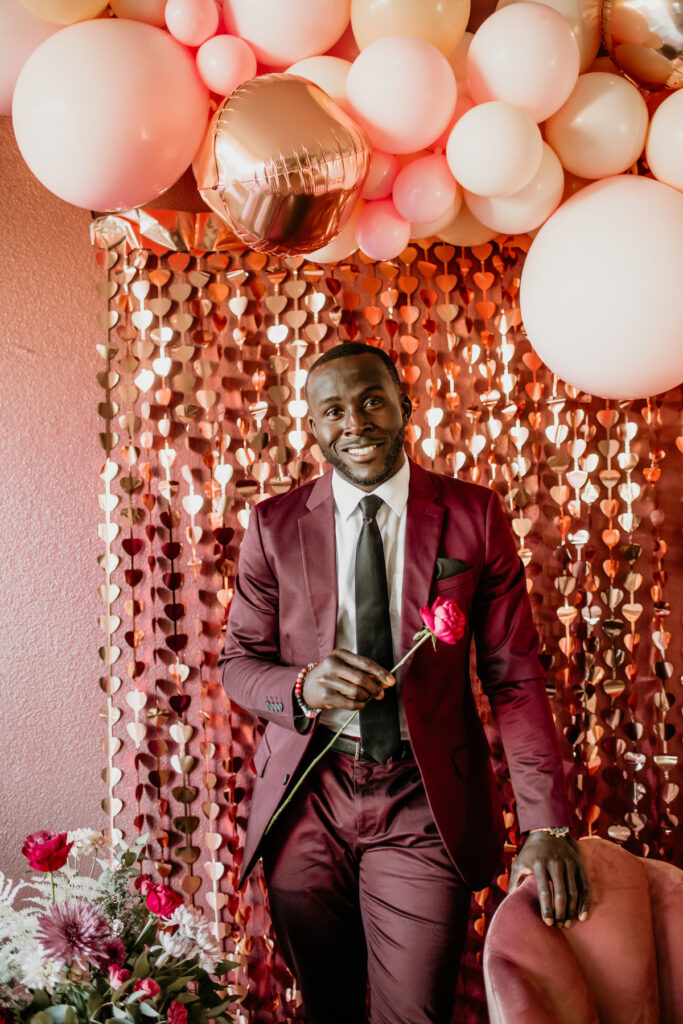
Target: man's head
column 358, row 413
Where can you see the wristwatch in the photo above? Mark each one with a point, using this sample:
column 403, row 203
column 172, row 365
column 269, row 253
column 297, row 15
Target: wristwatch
column 556, row 831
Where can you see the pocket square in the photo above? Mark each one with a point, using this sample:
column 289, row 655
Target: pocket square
column 447, row 567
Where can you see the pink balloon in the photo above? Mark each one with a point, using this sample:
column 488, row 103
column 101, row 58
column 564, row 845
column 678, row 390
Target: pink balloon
column 101, row 147
column 424, row 190
column 381, row 232
column 525, row 54
column 434, row 227
column 281, row 33
column 495, row 149
column 224, row 62
column 150, row 11
column 191, row 21
column 664, row 148
column 20, row 33
column 601, row 294
column 381, row 176
column 528, row 208
column 402, row 91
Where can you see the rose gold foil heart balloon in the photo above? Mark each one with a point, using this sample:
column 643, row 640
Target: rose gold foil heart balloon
column 645, row 39
column 282, row 164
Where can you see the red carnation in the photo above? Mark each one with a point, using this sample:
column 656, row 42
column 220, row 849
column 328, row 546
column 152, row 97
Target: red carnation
column 47, row 851
column 444, row 619
column 162, row 900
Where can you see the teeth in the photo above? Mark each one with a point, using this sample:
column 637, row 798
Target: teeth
column 362, row 451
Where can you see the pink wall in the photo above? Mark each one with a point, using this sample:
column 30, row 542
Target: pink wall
column 50, row 756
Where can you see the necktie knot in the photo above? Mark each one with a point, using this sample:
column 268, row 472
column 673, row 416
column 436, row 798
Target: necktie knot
column 369, row 507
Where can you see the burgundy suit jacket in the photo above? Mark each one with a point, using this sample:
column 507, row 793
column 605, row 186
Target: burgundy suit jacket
column 283, row 616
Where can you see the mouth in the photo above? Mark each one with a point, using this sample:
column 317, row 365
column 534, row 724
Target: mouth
column 363, row 452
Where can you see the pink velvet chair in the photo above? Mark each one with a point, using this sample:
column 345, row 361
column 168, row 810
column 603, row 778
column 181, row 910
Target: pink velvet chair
column 623, row 965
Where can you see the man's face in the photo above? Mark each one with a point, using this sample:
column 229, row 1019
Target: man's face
column 358, row 417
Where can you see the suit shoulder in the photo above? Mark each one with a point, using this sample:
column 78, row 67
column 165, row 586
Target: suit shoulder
column 285, row 505
column 462, row 491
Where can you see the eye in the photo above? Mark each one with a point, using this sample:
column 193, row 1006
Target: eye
column 333, row 412
column 372, row 403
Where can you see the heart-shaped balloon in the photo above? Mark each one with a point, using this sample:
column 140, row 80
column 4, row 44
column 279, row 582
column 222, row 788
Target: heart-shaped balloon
column 282, row 164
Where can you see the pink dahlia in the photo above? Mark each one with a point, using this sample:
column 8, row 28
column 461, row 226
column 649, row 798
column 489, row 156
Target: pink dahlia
column 74, row 931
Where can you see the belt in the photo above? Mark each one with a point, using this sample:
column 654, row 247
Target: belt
column 349, row 745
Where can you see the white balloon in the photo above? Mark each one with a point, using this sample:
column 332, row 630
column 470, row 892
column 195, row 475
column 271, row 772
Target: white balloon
column 330, row 73
column 21, row 32
column 495, row 149
column 601, row 294
column 466, row 229
column 528, row 208
column 584, row 18
column 342, row 245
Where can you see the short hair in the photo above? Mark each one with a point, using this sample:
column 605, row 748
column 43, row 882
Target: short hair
column 357, row 348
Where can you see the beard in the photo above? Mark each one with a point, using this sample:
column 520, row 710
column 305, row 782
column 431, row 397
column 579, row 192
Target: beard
column 387, row 469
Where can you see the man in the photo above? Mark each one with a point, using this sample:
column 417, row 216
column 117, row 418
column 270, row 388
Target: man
column 370, row 867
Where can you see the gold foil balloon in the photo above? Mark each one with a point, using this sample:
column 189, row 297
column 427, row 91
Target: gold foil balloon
column 645, row 39
column 282, row 164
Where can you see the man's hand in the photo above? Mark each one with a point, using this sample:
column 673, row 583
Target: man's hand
column 563, row 889
column 345, row 680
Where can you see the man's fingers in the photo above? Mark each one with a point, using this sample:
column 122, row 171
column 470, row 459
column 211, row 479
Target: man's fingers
column 573, row 887
column 585, row 897
column 517, row 875
column 366, row 665
column 544, row 895
column 557, row 877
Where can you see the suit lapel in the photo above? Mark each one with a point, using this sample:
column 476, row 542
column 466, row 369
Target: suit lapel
column 318, row 550
column 423, row 533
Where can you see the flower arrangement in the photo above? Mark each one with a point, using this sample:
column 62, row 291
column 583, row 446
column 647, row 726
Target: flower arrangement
column 111, row 944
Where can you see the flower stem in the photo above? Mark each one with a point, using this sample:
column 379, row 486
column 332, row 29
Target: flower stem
column 52, row 883
column 419, row 640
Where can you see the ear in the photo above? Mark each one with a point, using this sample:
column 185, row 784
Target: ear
column 406, row 407
column 311, row 423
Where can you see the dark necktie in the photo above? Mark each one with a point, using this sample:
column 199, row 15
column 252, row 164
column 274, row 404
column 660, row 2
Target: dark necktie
column 379, row 726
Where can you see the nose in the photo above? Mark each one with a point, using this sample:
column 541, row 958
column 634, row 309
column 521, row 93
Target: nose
column 355, row 421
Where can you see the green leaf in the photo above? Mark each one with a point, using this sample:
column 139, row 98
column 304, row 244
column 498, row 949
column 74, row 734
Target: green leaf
column 186, row 997
column 41, row 999
column 225, row 966
column 41, row 1018
column 62, row 1014
column 141, row 969
column 179, row 983
column 120, row 1014
column 121, row 991
column 218, row 1008
column 148, row 1010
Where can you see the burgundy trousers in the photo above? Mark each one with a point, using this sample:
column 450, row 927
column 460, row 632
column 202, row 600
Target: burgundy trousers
column 361, row 888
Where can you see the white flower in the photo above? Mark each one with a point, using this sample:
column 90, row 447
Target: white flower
column 117, row 926
column 174, row 944
column 193, row 927
column 87, row 840
column 40, row 973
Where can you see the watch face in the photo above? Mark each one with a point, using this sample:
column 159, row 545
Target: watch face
column 560, row 832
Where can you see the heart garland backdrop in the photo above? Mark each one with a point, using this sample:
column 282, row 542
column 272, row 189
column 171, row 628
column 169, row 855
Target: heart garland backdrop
column 204, row 351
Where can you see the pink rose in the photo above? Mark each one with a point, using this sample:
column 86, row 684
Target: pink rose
column 162, row 900
column 117, row 975
column 444, row 619
column 149, row 986
column 177, row 1013
column 46, row 851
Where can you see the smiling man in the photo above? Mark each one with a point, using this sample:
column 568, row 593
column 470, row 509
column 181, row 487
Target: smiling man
column 370, row 868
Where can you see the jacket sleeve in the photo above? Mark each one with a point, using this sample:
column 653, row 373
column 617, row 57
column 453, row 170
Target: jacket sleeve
column 512, row 677
column 253, row 675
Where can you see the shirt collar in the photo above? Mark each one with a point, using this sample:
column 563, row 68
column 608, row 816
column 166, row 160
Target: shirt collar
column 394, row 492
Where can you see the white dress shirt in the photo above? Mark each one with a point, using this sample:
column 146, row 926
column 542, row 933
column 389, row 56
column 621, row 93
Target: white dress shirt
column 391, row 519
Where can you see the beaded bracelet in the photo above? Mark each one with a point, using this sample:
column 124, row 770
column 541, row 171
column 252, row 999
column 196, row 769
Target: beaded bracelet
column 309, row 712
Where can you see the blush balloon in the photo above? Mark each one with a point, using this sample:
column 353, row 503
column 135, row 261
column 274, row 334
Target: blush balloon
column 152, row 12
column 425, row 189
column 525, row 54
column 466, row 229
column 107, row 148
column 224, row 62
column 402, row 91
column 381, row 232
column 282, row 33
column 330, row 73
column 380, row 180
column 191, row 21
column 584, row 18
column 342, row 245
